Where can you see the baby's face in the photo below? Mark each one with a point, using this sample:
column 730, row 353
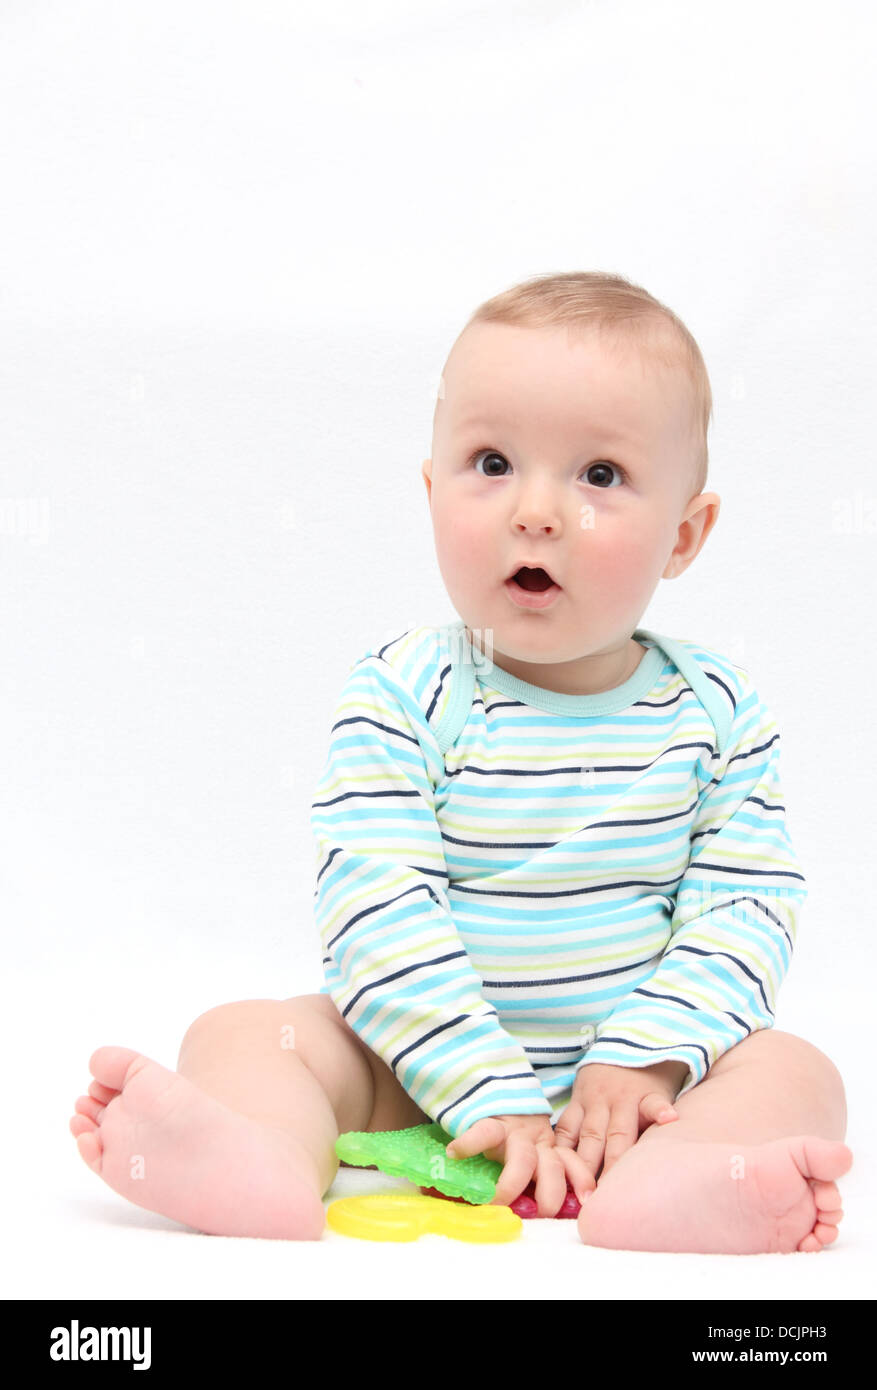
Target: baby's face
column 570, row 454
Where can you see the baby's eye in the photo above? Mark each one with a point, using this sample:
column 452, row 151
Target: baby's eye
column 489, row 455
column 601, row 470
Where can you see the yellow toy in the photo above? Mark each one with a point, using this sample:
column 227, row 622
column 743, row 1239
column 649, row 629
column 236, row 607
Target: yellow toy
column 406, row 1216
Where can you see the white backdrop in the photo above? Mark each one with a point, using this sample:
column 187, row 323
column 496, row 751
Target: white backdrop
column 238, row 240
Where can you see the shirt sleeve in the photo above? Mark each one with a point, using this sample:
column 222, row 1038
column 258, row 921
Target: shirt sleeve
column 734, row 922
column 394, row 964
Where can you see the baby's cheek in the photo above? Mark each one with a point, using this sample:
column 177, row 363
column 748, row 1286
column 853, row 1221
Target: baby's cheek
column 461, row 544
column 626, row 558
column 610, row 565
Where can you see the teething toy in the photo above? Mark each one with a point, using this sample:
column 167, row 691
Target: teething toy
column 419, row 1154
column 407, row 1216
column 525, row 1205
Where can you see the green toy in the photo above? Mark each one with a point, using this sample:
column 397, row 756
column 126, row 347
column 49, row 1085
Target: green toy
column 419, row 1154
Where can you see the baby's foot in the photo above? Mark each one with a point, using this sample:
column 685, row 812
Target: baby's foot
column 731, row 1199
column 166, row 1145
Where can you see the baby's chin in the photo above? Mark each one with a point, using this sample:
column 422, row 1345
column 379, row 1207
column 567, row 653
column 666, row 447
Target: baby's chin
column 549, row 635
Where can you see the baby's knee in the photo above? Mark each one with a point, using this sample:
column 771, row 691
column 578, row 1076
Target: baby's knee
column 804, row 1066
column 805, row 1055
column 242, row 1017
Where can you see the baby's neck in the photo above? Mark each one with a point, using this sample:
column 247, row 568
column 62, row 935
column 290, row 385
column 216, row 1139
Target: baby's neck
column 590, row 675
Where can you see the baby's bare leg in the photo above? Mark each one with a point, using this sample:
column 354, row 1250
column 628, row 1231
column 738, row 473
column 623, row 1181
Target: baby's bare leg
column 240, row 1139
column 748, row 1167
column 295, row 1066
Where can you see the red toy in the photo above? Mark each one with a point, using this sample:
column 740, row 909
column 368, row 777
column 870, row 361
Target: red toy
column 525, row 1205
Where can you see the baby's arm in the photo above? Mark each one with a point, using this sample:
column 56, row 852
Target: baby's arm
column 394, row 963
column 735, row 919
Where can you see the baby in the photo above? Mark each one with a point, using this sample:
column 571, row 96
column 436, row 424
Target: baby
column 555, row 891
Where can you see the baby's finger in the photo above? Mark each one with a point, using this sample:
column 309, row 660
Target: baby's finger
column 581, row 1179
column 550, row 1180
column 655, row 1108
column 568, row 1129
column 623, row 1131
column 518, row 1169
column 483, row 1135
column 592, row 1137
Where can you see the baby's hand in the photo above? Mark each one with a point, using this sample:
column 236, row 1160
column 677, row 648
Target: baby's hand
column 525, row 1145
column 610, row 1106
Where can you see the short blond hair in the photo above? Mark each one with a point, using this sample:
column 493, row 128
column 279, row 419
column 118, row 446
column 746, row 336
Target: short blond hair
column 625, row 312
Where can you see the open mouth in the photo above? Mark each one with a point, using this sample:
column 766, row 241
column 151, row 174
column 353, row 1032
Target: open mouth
column 535, row 581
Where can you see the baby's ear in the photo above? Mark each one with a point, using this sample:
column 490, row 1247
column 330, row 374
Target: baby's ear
column 426, row 472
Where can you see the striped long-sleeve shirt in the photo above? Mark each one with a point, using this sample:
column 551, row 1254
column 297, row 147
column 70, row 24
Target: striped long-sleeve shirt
column 573, row 879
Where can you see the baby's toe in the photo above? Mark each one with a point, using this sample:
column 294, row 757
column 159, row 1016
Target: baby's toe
column 81, row 1124
column 110, row 1065
column 830, row 1218
column 825, row 1233
column 826, row 1196
column 86, row 1105
column 90, row 1147
column 810, row 1243
column 102, row 1093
